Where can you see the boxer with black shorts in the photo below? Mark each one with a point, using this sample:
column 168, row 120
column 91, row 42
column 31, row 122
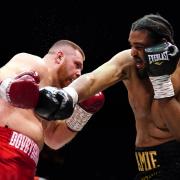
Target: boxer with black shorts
column 24, row 124
column 150, row 71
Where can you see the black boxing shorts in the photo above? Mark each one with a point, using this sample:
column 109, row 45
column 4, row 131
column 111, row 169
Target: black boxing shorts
column 161, row 162
column 18, row 155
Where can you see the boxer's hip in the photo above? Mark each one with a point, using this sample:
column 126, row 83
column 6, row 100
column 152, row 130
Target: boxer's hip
column 159, row 162
column 19, row 154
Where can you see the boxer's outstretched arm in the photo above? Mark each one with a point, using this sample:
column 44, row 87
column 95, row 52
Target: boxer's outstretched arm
column 61, row 102
column 106, row 75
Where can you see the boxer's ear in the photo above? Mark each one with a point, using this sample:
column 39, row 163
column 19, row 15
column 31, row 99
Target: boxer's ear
column 60, row 56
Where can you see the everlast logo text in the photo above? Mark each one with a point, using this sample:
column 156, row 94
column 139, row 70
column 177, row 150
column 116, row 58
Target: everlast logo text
column 158, row 57
column 146, row 160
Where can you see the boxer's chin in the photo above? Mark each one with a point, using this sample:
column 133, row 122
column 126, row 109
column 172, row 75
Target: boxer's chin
column 142, row 70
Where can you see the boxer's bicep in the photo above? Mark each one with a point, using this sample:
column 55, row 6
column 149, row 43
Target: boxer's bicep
column 112, row 71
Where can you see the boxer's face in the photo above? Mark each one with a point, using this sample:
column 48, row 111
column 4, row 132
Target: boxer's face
column 71, row 67
column 139, row 40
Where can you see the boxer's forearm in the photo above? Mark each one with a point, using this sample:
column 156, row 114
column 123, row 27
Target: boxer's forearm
column 85, row 86
column 91, row 83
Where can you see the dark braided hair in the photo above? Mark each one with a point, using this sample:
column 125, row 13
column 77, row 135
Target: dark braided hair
column 158, row 27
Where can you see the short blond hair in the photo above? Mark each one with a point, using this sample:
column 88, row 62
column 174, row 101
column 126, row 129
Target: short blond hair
column 62, row 43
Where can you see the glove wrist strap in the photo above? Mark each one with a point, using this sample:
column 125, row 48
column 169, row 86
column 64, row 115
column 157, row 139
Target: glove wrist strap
column 162, row 86
column 78, row 119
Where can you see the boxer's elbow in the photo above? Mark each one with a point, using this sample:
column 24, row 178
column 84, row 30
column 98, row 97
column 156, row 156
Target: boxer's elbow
column 59, row 143
column 55, row 145
column 60, row 137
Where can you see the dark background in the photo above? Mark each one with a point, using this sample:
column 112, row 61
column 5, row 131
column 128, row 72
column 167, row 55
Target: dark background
column 104, row 149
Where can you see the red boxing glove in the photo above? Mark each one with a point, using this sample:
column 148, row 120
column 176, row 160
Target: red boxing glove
column 94, row 103
column 21, row 91
column 84, row 110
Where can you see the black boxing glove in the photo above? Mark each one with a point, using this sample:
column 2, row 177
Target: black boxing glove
column 84, row 111
column 21, row 91
column 162, row 60
column 54, row 104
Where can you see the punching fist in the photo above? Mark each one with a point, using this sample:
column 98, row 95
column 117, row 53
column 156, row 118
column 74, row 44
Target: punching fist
column 84, row 110
column 54, row 104
column 21, row 91
column 161, row 59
